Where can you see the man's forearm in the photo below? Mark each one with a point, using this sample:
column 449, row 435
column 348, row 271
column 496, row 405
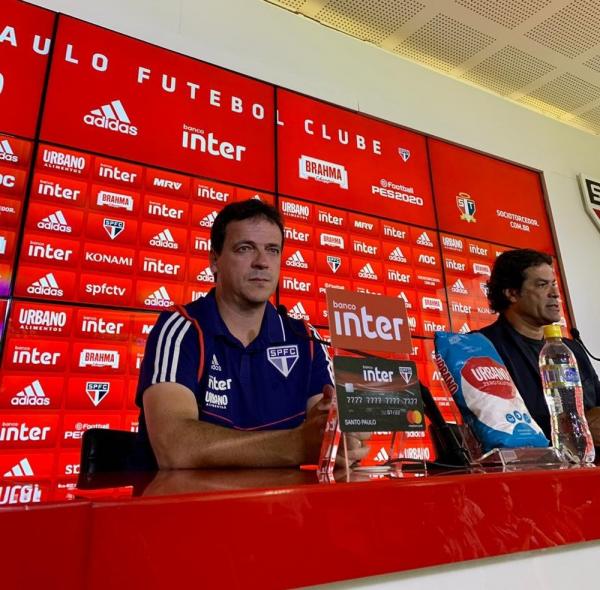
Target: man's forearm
column 197, row 444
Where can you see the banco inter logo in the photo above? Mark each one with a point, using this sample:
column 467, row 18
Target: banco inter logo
column 6, row 152
column 111, row 116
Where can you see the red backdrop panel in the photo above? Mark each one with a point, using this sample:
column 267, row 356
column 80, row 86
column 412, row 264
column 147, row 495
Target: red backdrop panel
column 116, row 95
column 506, row 201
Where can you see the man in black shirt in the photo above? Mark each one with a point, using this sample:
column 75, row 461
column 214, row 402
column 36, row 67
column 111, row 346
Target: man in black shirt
column 524, row 292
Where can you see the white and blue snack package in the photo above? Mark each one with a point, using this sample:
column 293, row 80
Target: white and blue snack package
column 485, row 393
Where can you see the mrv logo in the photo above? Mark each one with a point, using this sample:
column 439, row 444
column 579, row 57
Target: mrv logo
column 323, row 171
column 111, row 116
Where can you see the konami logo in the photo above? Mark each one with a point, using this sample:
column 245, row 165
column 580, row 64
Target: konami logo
column 111, row 116
column 368, row 322
column 197, row 140
column 323, row 171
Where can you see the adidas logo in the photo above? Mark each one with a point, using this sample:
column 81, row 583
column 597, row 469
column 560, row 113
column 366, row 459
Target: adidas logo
column 298, row 312
column 368, row 272
column 160, row 298
column 3, row 244
column 111, row 116
column 396, row 255
column 464, row 329
column 214, row 364
column 21, row 469
column 164, row 239
column 55, row 222
column 423, row 240
column 6, row 152
column 209, row 219
column 404, row 298
column 46, row 285
column 296, row 260
column 382, row 456
column 205, row 276
column 459, row 287
column 31, row 395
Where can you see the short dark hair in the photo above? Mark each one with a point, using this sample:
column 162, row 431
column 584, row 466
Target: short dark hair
column 239, row 211
column 509, row 273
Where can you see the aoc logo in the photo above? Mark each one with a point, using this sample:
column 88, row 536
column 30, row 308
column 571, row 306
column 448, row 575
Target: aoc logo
column 283, row 358
column 111, row 116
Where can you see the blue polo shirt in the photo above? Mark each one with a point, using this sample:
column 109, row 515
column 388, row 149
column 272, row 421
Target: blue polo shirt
column 262, row 386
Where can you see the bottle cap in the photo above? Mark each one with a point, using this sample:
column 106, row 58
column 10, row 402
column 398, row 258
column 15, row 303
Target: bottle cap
column 552, row 331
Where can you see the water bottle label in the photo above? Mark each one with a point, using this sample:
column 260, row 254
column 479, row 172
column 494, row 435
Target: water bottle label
column 559, row 375
column 571, row 375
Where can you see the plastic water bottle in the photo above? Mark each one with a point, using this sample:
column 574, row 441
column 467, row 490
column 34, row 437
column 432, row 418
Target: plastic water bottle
column 564, row 397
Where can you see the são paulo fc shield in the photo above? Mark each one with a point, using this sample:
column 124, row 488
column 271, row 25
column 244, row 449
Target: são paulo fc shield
column 590, row 191
column 283, row 358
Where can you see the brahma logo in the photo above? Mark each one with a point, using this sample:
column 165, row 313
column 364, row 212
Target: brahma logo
column 91, row 357
column 45, row 285
column 323, row 171
column 113, row 227
column 31, row 395
column 296, row 260
column 432, row 303
column 111, row 116
column 6, row 152
column 482, row 269
column 196, row 139
column 114, row 200
column 332, row 240
column 368, row 272
column 159, row 298
column 97, row 391
column 55, row 222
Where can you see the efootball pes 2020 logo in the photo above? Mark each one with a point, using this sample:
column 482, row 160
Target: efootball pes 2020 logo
column 467, row 207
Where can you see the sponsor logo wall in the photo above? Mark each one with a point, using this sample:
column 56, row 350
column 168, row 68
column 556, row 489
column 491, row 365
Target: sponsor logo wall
column 107, row 214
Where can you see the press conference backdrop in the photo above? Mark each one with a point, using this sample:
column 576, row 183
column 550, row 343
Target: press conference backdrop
column 116, row 156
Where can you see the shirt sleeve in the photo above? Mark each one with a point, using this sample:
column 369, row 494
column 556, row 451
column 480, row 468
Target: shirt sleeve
column 322, row 367
column 172, row 354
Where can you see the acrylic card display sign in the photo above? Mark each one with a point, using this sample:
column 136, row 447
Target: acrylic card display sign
column 378, row 395
column 360, row 321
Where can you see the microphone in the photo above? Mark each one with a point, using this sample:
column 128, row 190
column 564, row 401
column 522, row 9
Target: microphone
column 283, row 312
column 577, row 337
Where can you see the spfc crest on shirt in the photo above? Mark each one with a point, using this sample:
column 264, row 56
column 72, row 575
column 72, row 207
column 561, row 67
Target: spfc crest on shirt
column 590, row 191
column 283, row 358
column 467, row 207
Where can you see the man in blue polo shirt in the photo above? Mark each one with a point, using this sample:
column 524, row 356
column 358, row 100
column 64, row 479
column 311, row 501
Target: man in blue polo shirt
column 226, row 380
